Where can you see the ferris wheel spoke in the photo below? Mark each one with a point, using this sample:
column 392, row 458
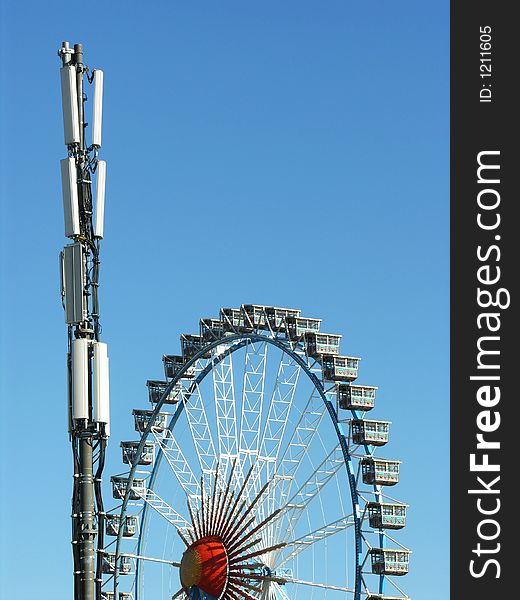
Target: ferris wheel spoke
column 252, row 400
column 269, row 588
column 226, row 507
column 391, row 581
column 171, row 563
column 260, row 462
column 278, row 592
column 200, row 430
column 231, row 594
column 233, row 531
column 296, row 449
column 268, row 591
column 278, row 581
column 251, row 588
column 279, row 410
column 314, row 484
column 397, row 542
column 316, row 584
column 178, row 463
column 239, row 593
column 306, row 541
column 224, row 396
column 160, row 506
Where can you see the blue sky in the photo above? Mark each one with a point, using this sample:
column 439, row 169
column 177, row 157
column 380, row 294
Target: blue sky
column 293, row 154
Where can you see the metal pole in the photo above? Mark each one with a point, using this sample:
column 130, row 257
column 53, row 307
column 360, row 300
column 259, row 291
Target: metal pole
column 87, row 526
column 87, row 357
column 78, row 59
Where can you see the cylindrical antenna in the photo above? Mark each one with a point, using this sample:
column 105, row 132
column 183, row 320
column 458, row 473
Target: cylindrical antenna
column 100, row 199
column 97, row 108
column 101, row 386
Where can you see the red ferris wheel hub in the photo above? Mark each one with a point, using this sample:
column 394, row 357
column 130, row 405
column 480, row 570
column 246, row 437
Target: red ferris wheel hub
column 204, row 564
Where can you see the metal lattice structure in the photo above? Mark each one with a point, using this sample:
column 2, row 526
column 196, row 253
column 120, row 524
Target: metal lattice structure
column 255, row 473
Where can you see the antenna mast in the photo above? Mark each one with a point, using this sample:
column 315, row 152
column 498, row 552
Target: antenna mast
column 87, row 357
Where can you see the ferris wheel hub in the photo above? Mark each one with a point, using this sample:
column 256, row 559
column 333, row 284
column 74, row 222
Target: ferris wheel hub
column 204, row 564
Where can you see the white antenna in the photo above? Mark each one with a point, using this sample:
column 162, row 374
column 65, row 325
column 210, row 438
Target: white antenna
column 97, row 108
column 100, row 199
column 69, row 188
column 69, row 101
column 73, row 283
column 80, row 379
column 101, row 386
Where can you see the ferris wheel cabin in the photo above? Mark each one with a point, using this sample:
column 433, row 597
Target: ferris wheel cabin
column 370, row 433
column 390, row 561
column 318, row 344
column 130, row 449
column 156, row 389
column 356, row 397
column 380, row 471
column 276, row 317
column 340, row 368
column 119, row 485
column 173, row 363
column 109, row 564
column 233, row 321
column 121, row 595
column 192, row 344
column 297, row 327
column 255, row 316
column 113, row 522
column 211, row 330
column 251, row 317
column 142, row 418
column 386, row 515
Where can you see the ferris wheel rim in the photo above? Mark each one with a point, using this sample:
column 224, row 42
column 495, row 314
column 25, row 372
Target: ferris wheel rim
column 318, row 385
column 233, row 343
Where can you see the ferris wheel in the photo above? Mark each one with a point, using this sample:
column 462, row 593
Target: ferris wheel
column 254, row 473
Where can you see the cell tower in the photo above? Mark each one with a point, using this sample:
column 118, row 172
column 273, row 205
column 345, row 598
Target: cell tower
column 87, row 357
